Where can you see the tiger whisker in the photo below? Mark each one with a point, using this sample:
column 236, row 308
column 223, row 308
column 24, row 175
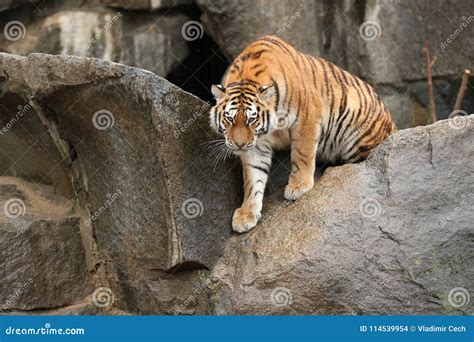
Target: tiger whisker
column 221, row 155
column 215, row 149
column 211, row 142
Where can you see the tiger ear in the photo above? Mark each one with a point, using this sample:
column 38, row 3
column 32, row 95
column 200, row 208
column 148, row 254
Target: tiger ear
column 218, row 91
column 266, row 92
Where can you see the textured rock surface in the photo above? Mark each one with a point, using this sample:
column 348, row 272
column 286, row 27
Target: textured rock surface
column 392, row 235
column 9, row 4
column 42, row 257
column 146, row 40
column 235, row 24
column 132, row 144
column 145, row 5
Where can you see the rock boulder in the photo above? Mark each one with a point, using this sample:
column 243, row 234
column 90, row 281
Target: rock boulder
column 133, row 145
column 392, row 235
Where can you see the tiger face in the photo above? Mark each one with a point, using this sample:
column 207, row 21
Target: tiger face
column 242, row 114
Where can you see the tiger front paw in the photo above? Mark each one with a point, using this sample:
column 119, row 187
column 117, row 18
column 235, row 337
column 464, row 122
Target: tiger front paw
column 244, row 220
column 296, row 189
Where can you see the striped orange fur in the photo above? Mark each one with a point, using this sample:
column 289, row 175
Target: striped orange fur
column 274, row 97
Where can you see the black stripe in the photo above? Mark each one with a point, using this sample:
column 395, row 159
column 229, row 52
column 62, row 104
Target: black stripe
column 257, row 54
column 263, row 121
column 349, row 125
column 362, row 136
column 250, row 191
column 259, row 168
column 302, row 154
column 326, row 82
column 355, row 158
column 277, row 94
column 331, row 67
column 266, row 164
column 351, row 78
column 331, row 116
column 339, row 124
column 343, row 73
column 313, row 68
column 295, row 165
column 285, row 80
column 363, row 94
column 289, row 103
column 281, row 46
column 267, row 120
column 262, row 152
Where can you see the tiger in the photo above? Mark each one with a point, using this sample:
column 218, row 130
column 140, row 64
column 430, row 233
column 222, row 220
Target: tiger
column 274, row 97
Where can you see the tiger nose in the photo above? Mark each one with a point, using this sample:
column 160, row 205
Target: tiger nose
column 240, row 144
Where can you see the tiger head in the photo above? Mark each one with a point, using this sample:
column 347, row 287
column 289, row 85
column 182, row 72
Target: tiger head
column 242, row 114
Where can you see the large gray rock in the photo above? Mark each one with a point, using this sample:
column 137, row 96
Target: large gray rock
column 154, row 202
column 392, row 235
column 26, row 149
column 42, row 257
column 395, row 54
